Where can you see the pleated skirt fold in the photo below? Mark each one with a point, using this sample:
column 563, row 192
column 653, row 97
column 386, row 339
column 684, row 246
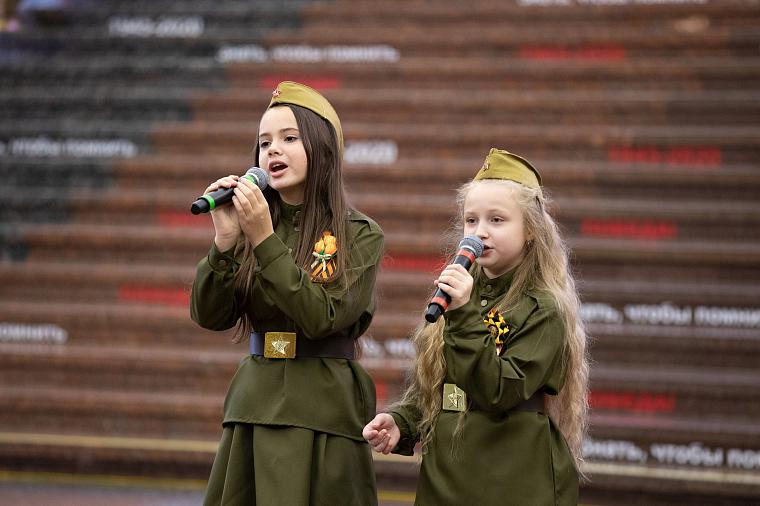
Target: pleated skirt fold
column 267, row 465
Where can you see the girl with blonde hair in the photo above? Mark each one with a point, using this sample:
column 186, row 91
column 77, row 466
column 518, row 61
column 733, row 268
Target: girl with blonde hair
column 498, row 397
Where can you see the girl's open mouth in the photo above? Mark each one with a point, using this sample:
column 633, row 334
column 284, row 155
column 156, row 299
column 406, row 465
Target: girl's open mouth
column 276, row 168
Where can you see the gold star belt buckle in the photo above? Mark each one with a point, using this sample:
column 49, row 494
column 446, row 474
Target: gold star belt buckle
column 280, row 345
column 454, row 398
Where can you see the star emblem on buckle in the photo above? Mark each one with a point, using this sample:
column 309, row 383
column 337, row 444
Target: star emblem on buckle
column 280, row 346
column 454, row 398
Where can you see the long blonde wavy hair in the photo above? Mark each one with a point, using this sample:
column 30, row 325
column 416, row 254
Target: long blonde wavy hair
column 545, row 267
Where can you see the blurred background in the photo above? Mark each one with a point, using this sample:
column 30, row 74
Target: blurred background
column 642, row 115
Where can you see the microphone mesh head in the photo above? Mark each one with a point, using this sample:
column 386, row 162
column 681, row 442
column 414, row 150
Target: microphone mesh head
column 260, row 175
column 473, row 243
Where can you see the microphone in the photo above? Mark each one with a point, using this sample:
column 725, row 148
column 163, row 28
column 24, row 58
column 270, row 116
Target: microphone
column 216, row 198
column 470, row 248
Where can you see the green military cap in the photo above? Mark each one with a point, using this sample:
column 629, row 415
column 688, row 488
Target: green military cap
column 289, row 92
column 501, row 164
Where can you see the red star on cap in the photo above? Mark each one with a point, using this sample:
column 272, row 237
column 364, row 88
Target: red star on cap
column 276, row 93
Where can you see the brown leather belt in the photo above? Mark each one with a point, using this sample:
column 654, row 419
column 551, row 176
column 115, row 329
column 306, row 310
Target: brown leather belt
column 329, row 347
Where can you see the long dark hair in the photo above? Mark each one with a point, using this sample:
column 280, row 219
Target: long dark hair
column 325, row 207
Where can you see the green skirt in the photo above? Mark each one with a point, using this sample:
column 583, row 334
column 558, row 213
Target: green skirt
column 280, row 465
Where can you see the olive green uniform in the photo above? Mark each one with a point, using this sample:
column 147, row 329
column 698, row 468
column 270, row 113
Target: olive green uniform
column 292, row 427
column 502, row 456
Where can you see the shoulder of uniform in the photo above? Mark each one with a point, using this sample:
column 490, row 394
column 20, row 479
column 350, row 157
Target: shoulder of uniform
column 357, row 216
column 544, row 300
column 365, row 237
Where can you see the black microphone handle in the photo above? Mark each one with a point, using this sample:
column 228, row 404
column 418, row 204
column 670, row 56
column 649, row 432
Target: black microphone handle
column 218, row 197
column 435, row 310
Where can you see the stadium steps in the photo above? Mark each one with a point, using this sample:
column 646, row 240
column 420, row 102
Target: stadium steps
column 642, row 119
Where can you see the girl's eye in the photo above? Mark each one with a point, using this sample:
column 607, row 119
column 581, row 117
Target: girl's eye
column 469, row 221
column 497, row 219
column 291, row 138
column 263, row 144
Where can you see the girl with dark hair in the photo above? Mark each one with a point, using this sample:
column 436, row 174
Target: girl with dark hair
column 294, row 268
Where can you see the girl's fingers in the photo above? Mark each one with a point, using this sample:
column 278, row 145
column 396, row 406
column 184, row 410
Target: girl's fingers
column 225, row 182
column 448, row 280
column 450, row 290
column 459, row 269
column 445, row 287
column 244, row 184
column 254, row 192
column 386, row 438
column 243, row 197
column 251, row 192
column 455, row 272
column 453, row 279
column 376, row 444
column 384, row 445
column 369, row 430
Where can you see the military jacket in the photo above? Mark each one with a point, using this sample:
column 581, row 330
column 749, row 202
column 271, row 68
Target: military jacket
column 330, row 395
column 501, row 455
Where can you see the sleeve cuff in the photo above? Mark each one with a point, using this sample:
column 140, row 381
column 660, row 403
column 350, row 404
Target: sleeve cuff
column 407, row 441
column 221, row 261
column 270, row 249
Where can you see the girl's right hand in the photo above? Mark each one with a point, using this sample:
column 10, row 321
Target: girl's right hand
column 382, row 433
column 457, row 283
column 225, row 218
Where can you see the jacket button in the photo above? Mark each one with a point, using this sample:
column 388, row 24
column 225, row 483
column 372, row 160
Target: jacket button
column 484, row 302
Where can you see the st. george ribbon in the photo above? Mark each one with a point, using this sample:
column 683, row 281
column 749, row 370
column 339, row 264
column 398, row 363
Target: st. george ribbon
column 470, row 248
column 216, row 198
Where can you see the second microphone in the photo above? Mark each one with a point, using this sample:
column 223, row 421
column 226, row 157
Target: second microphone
column 216, row 198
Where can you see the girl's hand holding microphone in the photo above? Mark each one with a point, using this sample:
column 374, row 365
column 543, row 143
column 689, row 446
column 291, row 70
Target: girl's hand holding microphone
column 225, row 218
column 252, row 211
column 248, row 213
column 457, row 283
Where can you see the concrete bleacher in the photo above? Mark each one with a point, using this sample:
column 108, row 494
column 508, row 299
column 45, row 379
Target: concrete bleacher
column 643, row 119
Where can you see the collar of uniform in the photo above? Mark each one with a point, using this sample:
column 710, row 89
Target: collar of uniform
column 493, row 287
column 288, row 212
